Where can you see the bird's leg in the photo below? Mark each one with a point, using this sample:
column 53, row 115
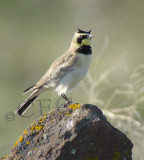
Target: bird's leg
column 62, row 108
column 65, row 98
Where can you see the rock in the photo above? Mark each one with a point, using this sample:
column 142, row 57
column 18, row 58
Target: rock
column 74, row 133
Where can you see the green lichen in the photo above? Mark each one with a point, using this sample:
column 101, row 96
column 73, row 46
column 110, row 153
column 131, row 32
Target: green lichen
column 92, row 158
column 127, row 155
column 117, row 156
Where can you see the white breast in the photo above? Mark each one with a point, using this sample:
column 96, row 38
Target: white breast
column 70, row 80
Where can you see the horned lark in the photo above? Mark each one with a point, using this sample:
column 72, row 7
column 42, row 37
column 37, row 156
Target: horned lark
column 65, row 72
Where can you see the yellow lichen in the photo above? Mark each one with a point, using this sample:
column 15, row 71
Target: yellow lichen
column 25, row 132
column 16, row 143
column 74, row 106
column 38, row 128
column 21, row 138
column 51, row 112
column 4, row 157
column 27, row 142
column 67, row 114
column 41, row 121
column 33, row 124
column 32, row 128
column 44, row 116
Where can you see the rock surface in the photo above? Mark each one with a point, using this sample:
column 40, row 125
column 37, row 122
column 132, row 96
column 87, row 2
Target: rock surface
column 76, row 133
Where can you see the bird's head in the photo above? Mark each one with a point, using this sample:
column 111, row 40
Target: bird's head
column 81, row 38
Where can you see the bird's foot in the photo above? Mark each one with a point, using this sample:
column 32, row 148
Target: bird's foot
column 64, row 108
column 69, row 100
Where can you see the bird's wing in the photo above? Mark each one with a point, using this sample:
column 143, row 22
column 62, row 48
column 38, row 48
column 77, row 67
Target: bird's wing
column 57, row 70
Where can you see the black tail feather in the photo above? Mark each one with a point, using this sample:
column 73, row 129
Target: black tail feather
column 26, row 90
column 25, row 105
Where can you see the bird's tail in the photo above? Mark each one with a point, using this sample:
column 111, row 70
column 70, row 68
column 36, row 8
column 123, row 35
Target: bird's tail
column 28, row 89
column 26, row 104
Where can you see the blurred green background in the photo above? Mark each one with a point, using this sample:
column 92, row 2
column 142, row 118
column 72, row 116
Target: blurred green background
column 33, row 33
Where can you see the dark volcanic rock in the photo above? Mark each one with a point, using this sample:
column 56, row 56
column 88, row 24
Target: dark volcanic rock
column 81, row 133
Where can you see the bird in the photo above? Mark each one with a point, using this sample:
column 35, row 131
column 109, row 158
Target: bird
column 65, row 72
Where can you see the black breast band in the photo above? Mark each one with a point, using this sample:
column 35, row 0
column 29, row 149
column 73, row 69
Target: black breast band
column 84, row 50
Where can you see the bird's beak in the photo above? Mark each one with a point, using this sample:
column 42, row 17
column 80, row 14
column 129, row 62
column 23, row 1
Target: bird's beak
column 90, row 36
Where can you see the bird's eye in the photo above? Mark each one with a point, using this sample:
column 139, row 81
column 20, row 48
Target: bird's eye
column 79, row 40
column 81, row 37
column 85, row 36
